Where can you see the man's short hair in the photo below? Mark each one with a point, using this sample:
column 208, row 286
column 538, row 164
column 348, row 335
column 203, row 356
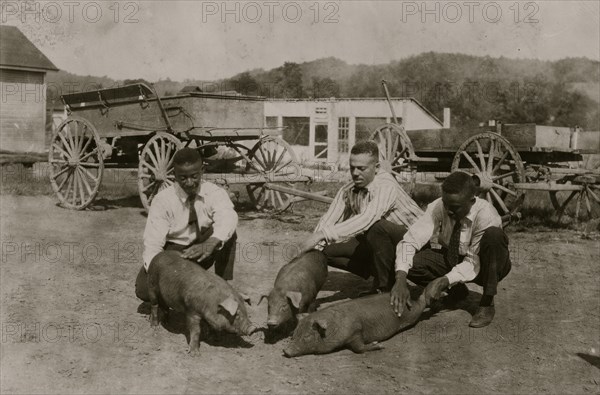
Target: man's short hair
column 460, row 182
column 366, row 147
column 187, row 156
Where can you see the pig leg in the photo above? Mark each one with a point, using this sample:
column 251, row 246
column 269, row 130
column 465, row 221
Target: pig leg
column 193, row 323
column 357, row 344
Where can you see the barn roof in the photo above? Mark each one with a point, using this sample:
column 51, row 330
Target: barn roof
column 16, row 51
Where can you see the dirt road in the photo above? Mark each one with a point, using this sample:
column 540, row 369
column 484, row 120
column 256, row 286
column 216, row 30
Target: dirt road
column 70, row 321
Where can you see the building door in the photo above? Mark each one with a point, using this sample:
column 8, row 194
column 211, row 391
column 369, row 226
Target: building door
column 320, row 143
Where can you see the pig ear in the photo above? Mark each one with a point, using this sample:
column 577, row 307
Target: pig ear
column 246, row 298
column 261, row 299
column 230, row 304
column 295, row 297
column 321, row 327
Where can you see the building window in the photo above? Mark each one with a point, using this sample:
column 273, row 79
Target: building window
column 365, row 126
column 343, row 134
column 271, row 122
column 296, row 130
column 321, row 110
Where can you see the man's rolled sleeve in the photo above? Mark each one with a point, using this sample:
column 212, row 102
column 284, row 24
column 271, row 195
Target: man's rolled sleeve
column 415, row 238
column 155, row 233
column 465, row 271
column 224, row 216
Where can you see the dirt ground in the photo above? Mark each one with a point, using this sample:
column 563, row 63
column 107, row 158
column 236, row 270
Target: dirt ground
column 70, row 322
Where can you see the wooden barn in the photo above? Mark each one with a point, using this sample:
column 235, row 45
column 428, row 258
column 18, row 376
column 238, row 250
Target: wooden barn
column 23, row 70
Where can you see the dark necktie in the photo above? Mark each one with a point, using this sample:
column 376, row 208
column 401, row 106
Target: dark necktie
column 454, row 244
column 193, row 218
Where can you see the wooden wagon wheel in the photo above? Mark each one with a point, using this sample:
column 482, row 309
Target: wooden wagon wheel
column 583, row 202
column 155, row 170
column 498, row 165
column 271, row 156
column 395, row 152
column 76, row 163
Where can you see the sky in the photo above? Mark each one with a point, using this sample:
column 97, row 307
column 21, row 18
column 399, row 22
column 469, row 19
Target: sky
column 209, row 40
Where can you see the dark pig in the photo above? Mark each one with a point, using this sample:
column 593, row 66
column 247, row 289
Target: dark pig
column 358, row 324
column 184, row 286
column 296, row 288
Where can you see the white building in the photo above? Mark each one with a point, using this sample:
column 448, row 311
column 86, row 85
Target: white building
column 326, row 129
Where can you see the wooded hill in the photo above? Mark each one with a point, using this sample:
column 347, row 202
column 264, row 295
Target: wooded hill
column 563, row 93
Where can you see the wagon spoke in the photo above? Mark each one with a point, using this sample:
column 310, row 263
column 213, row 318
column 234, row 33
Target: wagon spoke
column 85, row 181
column 65, row 144
column 466, row 155
column 480, row 154
column 88, row 164
column 489, row 197
column 59, row 161
column 62, row 184
column 490, row 163
column 262, row 153
column 578, row 205
column 594, row 195
column 284, row 165
column 505, row 189
column 55, row 176
column 504, row 175
column 280, row 158
column 587, row 203
column 90, row 175
column 500, row 201
column 87, row 143
column 149, row 166
column 152, row 157
column 86, row 156
column 502, row 158
column 62, row 151
column 79, row 187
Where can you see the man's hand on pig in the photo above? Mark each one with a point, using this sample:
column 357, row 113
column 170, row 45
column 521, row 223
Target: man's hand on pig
column 201, row 251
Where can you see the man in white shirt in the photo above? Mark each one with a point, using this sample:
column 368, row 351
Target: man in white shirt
column 464, row 242
column 192, row 216
column 365, row 221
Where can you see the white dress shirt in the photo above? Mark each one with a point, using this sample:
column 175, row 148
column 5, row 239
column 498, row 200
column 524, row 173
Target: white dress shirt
column 169, row 216
column 435, row 226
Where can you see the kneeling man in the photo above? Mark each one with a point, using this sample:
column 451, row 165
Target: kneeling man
column 192, row 216
column 367, row 218
column 459, row 239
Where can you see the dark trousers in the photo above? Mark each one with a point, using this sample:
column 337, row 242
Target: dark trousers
column 371, row 253
column 223, row 260
column 494, row 262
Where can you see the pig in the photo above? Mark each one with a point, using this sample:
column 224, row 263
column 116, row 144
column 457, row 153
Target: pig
column 296, row 288
column 184, row 286
column 359, row 324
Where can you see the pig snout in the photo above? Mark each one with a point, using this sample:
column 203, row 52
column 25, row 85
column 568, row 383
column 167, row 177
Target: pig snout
column 290, row 352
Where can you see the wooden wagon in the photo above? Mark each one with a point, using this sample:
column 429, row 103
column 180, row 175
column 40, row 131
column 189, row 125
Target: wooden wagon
column 132, row 127
column 508, row 159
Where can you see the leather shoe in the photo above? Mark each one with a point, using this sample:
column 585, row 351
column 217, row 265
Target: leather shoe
column 457, row 293
column 483, row 316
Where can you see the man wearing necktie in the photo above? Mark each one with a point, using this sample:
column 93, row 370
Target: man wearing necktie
column 365, row 221
column 192, row 216
column 459, row 239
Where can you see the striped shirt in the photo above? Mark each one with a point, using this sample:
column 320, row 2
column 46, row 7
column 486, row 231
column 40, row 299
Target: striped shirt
column 355, row 210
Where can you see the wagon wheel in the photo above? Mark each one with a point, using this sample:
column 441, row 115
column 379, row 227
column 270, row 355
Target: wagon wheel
column 76, row 163
column 395, row 152
column 583, row 202
column 155, row 170
column 271, row 156
column 498, row 165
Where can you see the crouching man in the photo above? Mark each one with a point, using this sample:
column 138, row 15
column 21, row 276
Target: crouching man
column 192, row 216
column 366, row 220
column 459, row 239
